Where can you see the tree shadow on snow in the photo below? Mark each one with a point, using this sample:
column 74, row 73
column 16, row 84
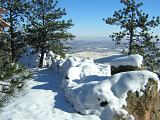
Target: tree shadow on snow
column 91, row 78
column 107, row 59
column 52, row 81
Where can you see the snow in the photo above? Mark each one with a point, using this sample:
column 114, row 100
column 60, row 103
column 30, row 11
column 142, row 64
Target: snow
column 74, row 85
column 94, row 55
column 87, row 97
column 86, row 86
column 29, row 50
column 132, row 60
column 32, row 59
column 43, row 99
column 75, row 69
column 134, row 81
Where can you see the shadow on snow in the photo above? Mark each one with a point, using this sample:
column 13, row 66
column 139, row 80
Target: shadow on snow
column 52, row 81
column 107, row 59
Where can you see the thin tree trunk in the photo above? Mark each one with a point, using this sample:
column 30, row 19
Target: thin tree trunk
column 130, row 42
column 131, row 31
column 12, row 38
column 12, row 50
column 41, row 59
column 42, row 45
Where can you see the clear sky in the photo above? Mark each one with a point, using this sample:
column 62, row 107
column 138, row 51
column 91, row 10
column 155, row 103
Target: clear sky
column 87, row 16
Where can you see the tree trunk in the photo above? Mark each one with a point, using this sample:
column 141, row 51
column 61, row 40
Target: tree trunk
column 131, row 32
column 130, row 42
column 12, row 51
column 41, row 59
column 12, row 37
column 42, row 47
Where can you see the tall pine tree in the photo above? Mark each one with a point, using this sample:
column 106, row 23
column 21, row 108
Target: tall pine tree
column 47, row 30
column 16, row 10
column 135, row 30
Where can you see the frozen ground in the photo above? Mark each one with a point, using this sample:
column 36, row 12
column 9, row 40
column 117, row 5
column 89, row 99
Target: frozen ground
column 42, row 100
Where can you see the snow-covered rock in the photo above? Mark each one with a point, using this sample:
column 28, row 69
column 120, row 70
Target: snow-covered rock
column 132, row 60
column 80, row 70
column 108, row 94
column 69, row 62
column 91, row 89
column 127, row 63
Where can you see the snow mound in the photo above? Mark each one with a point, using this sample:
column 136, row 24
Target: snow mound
column 133, row 80
column 132, row 60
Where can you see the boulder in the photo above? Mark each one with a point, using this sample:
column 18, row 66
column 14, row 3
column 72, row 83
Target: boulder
column 127, row 63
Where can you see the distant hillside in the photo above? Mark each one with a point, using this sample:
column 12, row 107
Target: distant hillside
column 92, row 46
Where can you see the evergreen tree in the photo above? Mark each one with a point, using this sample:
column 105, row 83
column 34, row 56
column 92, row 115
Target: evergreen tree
column 47, row 30
column 15, row 17
column 3, row 57
column 3, row 44
column 135, row 31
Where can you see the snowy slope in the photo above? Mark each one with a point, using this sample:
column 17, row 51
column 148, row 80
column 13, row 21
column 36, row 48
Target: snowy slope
column 42, row 100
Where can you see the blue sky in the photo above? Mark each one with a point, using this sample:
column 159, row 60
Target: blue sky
column 87, row 16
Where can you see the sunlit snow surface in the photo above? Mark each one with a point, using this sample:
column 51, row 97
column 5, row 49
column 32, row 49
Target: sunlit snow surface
column 75, row 85
column 43, row 99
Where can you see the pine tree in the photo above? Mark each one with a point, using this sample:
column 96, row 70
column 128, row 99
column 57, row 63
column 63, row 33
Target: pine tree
column 3, row 43
column 3, row 57
column 47, row 30
column 135, row 31
column 15, row 17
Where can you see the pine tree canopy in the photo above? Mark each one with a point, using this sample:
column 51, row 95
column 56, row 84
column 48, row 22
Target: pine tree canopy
column 15, row 16
column 136, row 31
column 46, row 29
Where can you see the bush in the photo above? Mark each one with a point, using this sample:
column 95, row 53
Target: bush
column 12, row 78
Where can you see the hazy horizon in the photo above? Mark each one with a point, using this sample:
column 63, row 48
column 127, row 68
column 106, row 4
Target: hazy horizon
column 99, row 45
